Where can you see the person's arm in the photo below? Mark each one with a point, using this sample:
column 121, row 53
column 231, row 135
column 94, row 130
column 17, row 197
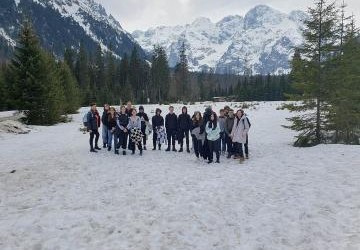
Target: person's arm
column 89, row 121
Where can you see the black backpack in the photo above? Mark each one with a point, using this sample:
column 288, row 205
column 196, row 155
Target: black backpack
column 247, row 121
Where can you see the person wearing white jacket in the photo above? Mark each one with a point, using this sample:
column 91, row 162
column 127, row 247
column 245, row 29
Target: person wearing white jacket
column 239, row 133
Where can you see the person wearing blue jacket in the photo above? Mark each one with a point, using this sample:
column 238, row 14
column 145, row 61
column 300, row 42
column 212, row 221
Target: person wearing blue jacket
column 213, row 136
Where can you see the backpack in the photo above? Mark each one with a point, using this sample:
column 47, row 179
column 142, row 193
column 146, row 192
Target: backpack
column 85, row 120
column 247, row 121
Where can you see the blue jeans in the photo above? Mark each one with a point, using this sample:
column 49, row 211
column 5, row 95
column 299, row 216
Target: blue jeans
column 110, row 138
column 104, row 133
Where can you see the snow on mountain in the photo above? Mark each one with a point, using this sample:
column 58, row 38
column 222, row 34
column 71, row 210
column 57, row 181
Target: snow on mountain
column 263, row 41
column 65, row 23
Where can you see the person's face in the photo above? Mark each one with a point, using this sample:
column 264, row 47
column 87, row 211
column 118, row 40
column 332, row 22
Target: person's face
column 129, row 104
column 158, row 113
column 112, row 111
column 133, row 112
column 171, row 110
column 106, row 107
column 238, row 114
column 93, row 107
column 197, row 116
column 123, row 110
column 222, row 112
column 141, row 111
column 231, row 113
column 212, row 117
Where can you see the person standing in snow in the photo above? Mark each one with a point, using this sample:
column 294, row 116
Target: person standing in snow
column 171, row 128
column 239, row 134
column 122, row 131
column 93, row 124
column 246, row 145
column 157, row 123
column 222, row 119
column 184, row 126
column 104, row 120
column 206, row 118
column 111, row 126
column 134, row 127
column 198, row 139
column 144, row 120
column 229, row 123
column 213, row 136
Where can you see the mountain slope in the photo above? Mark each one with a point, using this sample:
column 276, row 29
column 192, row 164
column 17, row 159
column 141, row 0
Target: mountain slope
column 262, row 41
column 65, row 23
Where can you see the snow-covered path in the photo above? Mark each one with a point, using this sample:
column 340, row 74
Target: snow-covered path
column 63, row 197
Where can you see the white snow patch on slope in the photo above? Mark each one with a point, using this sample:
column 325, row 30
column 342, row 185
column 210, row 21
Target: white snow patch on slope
column 7, row 37
column 63, row 197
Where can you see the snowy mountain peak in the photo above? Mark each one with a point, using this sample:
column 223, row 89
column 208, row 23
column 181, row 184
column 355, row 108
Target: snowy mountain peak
column 263, row 40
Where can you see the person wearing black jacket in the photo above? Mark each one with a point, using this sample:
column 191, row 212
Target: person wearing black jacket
column 112, row 118
column 122, row 132
column 144, row 119
column 104, row 120
column 157, row 122
column 184, row 126
column 206, row 118
column 92, row 125
column 171, row 128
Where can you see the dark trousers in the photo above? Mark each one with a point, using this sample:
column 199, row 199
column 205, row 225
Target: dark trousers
column 133, row 146
column 230, row 145
column 246, row 146
column 206, row 152
column 94, row 133
column 184, row 133
column 197, row 145
column 238, row 150
column 223, row 142
column 171, row 137
column 122, row 140
column 144, row 137
column 214, row 147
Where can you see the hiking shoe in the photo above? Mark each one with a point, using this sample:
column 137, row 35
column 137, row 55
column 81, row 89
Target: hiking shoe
column 93, row 150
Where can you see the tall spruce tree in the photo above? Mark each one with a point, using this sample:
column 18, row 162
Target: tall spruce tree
column 3, row 89
column 160, row 75
column 83, row 75
column 182, row 73
column 310, row 73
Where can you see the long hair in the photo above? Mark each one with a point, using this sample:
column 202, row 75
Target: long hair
column 200, row 117
column 213, row 124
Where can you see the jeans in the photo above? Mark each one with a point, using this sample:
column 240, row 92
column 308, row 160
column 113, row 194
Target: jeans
column 230, row 145
column 94, row 133
column 104, row 133
column 223, row 142
column 214, row 147
column 110, row 138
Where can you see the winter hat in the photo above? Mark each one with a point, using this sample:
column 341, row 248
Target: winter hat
column 158, row 110
column 141, row 108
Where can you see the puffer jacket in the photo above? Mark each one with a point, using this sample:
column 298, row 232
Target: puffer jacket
column 229, row 124
column 212, row 134
column 240, row 129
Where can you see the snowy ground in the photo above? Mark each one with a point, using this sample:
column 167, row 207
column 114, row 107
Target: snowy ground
column 63, row 197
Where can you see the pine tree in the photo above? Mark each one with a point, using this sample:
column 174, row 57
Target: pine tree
column 71, row 90
column 309, row 74
column 160, row 74
column 82, row 74
column 3, row 89
column 182, row 73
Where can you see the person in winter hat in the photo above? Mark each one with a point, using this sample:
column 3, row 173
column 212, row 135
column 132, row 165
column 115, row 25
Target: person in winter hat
column 111, row 126
column 93, row 124
column 222, row 120
column 134, row 126
column 213, row 137
column 229, row 123
column 198, row 138
column 122, row 131
column 184, row 126
column 157, row 122
column 104, row 120
column 144, row 120
column 171, row 126
column 239, row 134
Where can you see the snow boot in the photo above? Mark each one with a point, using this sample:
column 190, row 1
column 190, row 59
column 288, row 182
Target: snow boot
column 145, row 147
column 210, row 161
column 93, row 150
column 159, row 147
column 116, row 151
column 181, row 150
column 168, row 149
column 188, row 149
column 109, row 149
column 133, row 152
column 174, row 149
column 104, row 145
column 141, row 152
column 124, row 152
column 247, row 156
column 154, row 149
column 97, row 147
column 217, row 160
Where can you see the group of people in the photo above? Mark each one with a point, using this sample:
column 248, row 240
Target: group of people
column 211, row 134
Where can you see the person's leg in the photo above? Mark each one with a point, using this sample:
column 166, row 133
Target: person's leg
column 211, row 150
column 140, row 147
column 116, row 143
column 110, row 138
column 236, row 150
column 200, row 146
column 217, row 149
column 154, row 140
column 205, row 149
column 196, row 147
column 168, row 140
column 124, row 142
column 241, row 152
column 91, row 141
column 97, row 135
column 173, row 134
column 104, row 133
column 223, row 142
column 187, row 141
column 246, row 145
column 181, row 140
column 144, row 138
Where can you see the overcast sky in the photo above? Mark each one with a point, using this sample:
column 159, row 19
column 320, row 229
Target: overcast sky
column 143, row 14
